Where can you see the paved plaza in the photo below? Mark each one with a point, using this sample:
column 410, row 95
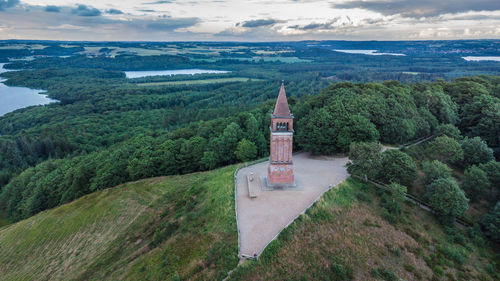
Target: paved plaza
column 261, row 218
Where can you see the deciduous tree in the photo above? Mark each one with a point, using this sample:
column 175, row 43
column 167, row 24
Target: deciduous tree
column 434, row 170
column 245, row 150
column 397, row 167
column 447, row 198
column 445, row 149
column 475, row 182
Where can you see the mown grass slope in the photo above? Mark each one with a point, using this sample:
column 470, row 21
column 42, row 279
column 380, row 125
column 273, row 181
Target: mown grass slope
column 344, row 237
column 155, row 229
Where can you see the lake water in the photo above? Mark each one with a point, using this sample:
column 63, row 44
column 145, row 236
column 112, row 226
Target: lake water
column 139, row 74
column 12, row 98
column 472, row 58
column 369, row 52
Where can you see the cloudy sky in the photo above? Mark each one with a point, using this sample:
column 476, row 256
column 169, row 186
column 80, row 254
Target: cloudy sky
column 249, row 20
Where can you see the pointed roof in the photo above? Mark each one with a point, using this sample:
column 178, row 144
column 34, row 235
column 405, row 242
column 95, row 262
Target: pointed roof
column 281, row 108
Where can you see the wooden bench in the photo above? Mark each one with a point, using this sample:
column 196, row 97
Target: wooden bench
column 252, row 185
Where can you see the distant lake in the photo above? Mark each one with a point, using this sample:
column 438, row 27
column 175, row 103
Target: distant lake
column 471, row 58
column 369, row 52
column 139, row 74
column 12, row 98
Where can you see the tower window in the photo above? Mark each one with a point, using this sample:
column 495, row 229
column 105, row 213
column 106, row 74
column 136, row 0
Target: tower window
column 282, row 127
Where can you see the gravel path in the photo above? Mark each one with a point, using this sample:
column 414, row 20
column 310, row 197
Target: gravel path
column 261, row 219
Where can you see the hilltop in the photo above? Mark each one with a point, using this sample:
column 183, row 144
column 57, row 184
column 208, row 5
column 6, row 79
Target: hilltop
column 183, row 227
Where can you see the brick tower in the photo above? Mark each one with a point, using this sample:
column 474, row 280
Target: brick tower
column 280, row 170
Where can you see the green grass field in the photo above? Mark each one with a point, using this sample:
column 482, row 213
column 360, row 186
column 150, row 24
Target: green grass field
column 201, row 81
column 155, row 229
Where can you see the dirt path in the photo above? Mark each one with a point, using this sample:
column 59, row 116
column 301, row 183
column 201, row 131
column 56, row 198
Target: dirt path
column 262, row 218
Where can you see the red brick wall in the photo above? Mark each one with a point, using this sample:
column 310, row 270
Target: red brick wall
column 280, row 173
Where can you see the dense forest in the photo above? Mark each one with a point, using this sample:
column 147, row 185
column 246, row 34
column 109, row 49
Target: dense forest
column 107, row 129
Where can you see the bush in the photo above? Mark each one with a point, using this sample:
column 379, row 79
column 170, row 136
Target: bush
column 320, row 214
column 383, row 273
column 491, row 269
column 438, row 271
column 409, row 267
column 476, row 235
column 458, row 255
column 163, row 232
column 396, row 251
column 361, row 196
column 340, row 272
column 491, row 223
column 398, row 191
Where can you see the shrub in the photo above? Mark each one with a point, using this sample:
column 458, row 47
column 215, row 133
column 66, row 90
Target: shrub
column 367, row 222
column 458, row 255
column 491, row 269
column 398, row 191
column 361, row 196
column 491, row 223
column 438, row 271
column 162, row 232
column 320, row 214
column 409, row 267
column 340, row 272
column 396, row 251
column 383, row 273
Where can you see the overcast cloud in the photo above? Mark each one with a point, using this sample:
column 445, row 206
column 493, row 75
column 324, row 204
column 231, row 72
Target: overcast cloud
column 249, row 20
column 421, row 8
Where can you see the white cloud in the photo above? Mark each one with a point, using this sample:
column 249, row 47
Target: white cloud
column 250, row 20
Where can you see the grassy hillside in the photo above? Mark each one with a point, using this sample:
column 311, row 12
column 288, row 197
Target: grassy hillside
column 344, row 237
column 156, row 229
column 183, row 228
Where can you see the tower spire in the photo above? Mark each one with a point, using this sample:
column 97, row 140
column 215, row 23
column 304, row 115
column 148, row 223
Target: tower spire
column 280, row 169
column 281, row 108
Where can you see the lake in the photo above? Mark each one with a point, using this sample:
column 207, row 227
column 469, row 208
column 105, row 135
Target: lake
column 472, row 58
column 369, row 52
column 12, row 98
column 139, row 74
